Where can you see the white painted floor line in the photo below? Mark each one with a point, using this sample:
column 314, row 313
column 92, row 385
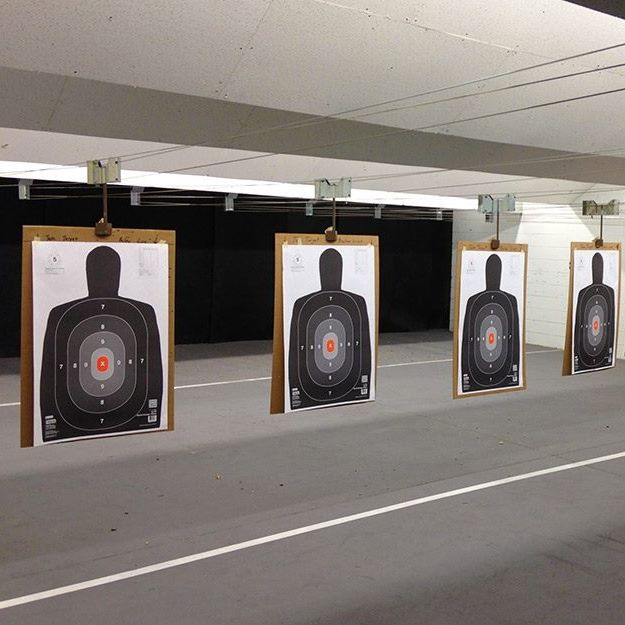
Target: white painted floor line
column 543, row 351
column 202, row 384
column 307, row 529
column 431, row 362
column 414, row 362
column 263, row 379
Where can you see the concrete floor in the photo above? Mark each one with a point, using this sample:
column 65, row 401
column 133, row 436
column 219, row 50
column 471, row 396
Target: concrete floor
column 545, row 550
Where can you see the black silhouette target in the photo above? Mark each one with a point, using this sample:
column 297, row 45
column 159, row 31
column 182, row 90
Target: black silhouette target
column 101, row 367
column 595, row 318
column 490, row 341
column 330, row 348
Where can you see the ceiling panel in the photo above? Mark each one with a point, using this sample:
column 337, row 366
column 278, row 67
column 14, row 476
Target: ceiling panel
column 586, row 124
column 545, row 28
column 186, row 46
column 323, row 59
column 334, row 54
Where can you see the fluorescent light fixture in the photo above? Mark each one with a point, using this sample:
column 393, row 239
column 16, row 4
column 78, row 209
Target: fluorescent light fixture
column 61, row 173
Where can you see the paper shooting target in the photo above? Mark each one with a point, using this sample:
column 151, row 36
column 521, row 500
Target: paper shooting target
column 101, row 367
column 329, row 350
column 490, row 347
column 595, row 318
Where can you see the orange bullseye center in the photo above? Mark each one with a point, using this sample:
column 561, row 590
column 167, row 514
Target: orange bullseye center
column 491, row 338
column 330, row 345
column 103, row 363
column 595, row 325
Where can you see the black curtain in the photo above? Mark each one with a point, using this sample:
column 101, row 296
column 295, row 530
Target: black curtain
column 225, row 263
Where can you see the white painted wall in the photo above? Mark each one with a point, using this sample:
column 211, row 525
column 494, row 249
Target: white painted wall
column 548, row 231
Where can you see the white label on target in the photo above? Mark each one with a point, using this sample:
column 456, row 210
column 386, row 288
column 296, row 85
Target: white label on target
column 296, row 263
column 54, row 265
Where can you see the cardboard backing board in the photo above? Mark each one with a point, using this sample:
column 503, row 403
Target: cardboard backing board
column 83, row 235
column 567, row 361
column 494, row 335
column 278, row 362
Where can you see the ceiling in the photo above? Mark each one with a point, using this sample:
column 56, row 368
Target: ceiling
column 246, row 83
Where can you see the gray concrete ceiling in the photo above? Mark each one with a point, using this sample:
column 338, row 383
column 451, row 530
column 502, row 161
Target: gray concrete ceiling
column 228, row 75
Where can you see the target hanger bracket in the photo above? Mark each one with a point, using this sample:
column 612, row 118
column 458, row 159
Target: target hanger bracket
column 592, row 208
column 101, row 173
column 331, row 233
column 599, row 239
column 23, row 188
column 492, row 206
column 229, row 202
column 331, row 190
column 495, row 243
column 135, row 196
column 328, row 190
column 104, row 228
